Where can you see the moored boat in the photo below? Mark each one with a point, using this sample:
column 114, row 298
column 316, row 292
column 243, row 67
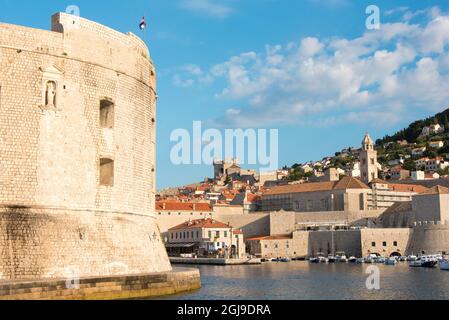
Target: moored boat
column 352, row 260
column 424, row 262
column 331, row 259
column 323, row 260
column 314, row 260
column 391, row 261
column 381, row 260
column 341, row 258
column 429, row 263
column 444, row 264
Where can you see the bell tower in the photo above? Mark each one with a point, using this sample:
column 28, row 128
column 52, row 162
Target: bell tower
column 368, row 160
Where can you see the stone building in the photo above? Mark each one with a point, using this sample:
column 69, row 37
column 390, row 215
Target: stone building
column 368, row 160
column 348, row 194
column 225, row 168
column 206, row 237
column 428, row 207
column 77, row 152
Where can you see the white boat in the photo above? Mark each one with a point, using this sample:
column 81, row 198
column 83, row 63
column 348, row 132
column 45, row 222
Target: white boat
column 403, row 259
column 391, row 261
column 412, row 258
column 323, row 260
column 444, row 265
column 381, row 260
column 352, row 260
column 342, row 259
column 360, row 260
column 424, row 262
column 371, row 258
column 415, row 263
column 314, row 260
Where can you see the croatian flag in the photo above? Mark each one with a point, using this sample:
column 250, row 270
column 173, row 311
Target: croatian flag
column 143, row 24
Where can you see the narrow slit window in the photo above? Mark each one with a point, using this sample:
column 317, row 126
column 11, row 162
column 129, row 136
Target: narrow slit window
column 106, row 114
column 106, row 172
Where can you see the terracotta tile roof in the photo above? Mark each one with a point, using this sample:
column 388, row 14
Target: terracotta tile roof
column 202, row 223
column 350, row 183
column 253, row 197
column 345, row 183
column 237, row 232
column 436, row 190
column 399, row 187
column 377, row 180
column 273, row 237
column 182, row 206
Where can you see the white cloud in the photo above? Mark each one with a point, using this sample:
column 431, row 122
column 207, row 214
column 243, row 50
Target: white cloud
column 376, row 77
column 211, row 8
column 190, row 74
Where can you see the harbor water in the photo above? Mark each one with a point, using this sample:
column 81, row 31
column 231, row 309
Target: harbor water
column 305, row 281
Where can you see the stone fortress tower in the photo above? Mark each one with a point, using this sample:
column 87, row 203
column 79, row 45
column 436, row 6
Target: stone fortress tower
column 77, row 153
column 368, row 160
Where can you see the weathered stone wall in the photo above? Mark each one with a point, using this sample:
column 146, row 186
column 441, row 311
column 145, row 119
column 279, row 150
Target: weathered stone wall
column 427, row 207
column 282, row 222
column 51, row 157
column 344, row 241
column 429, row 238
column 54, row 212
column 41, row 243
column 385, row 242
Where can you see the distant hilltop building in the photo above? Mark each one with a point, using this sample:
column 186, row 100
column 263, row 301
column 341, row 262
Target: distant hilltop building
column 77, row 158
column 431, row 130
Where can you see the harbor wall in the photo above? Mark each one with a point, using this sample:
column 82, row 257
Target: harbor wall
column 105, row 288
column 42, row 243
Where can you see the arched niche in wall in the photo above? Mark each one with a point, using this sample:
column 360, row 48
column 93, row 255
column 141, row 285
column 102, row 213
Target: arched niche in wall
column 51, row 89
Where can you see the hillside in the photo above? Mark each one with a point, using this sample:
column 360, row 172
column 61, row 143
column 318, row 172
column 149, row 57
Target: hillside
column 413, row 131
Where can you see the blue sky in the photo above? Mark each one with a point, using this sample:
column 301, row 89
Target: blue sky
column 309, row 68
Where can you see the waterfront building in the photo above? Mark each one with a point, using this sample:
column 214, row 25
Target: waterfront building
column 358, row 243
column 205, row 237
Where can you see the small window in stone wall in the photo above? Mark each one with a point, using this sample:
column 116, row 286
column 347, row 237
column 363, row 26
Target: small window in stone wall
column 106, row 172
column 106, row 114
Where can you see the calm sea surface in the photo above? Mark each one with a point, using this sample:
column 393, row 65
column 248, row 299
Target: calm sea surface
column 304, row 281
